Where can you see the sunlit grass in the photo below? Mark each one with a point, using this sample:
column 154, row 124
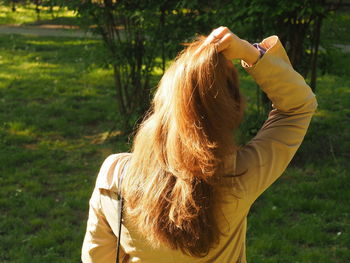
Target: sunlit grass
column 55, row 101
column 27, row 14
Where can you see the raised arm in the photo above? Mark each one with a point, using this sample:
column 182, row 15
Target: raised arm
column 267, row 155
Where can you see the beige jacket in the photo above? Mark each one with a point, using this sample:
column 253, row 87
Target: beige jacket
column 264, row 158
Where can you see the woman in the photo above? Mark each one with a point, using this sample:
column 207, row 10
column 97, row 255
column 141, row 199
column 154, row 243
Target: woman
column 187, row 188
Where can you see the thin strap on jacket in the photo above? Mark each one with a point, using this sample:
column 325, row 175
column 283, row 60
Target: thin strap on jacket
column 120, row 211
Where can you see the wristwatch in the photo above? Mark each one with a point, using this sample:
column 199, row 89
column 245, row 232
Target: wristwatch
column 260, row 48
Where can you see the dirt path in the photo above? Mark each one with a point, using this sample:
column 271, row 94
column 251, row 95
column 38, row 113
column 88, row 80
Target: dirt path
column 344, row 48
column 72, row 31
column 45, row 30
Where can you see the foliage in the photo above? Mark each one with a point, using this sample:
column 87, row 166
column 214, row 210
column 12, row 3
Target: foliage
column 25, row 15
column 292, row 21
column 135, row 33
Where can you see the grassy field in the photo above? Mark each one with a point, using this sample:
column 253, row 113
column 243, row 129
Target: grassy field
column 28, row 16
column 54, row 112
column 57, row 106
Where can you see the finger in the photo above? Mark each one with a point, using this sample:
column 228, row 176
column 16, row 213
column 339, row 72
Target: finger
column 224, row 42
column 211, row 38
column 221, row 32
column 216, row 34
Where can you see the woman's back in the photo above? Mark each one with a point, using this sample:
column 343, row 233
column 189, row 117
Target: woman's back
column 230, row 214
column 244, row 175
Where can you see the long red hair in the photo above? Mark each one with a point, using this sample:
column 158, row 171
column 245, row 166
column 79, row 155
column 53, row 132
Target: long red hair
column 178, row 150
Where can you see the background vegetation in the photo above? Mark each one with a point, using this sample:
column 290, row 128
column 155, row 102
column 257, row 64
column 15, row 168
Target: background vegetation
column 59, row 118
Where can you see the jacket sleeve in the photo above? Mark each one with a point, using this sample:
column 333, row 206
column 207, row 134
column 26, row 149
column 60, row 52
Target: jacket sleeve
column 99, row 243
column 267, row 155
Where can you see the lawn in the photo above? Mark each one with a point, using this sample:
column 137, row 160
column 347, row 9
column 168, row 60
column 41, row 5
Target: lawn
column 27, row 15
column 57, row 106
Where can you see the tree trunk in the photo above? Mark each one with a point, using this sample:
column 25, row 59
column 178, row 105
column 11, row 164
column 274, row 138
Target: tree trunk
column 162, row 24
column 51, row 11
column 37, row 10
column 118, row 89
column 296, row 44
column 315, row 46
column 13, row 6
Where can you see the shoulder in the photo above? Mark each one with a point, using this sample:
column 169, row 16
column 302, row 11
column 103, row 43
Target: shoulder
column 109, row 172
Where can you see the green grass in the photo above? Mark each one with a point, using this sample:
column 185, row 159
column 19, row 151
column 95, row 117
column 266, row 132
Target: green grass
column 27, row 15
column 57, row 103
column 56, row 106
column 303, row 218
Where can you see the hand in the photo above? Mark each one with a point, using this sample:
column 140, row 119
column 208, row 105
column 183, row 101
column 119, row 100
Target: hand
column 232, row 47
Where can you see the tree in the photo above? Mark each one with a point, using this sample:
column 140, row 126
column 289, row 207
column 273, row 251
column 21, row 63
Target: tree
column 135, row 33
column 297, row 23
column 129, row 30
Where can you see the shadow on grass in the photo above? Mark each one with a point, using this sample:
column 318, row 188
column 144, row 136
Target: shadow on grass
column 62, row 20
column 56, row 102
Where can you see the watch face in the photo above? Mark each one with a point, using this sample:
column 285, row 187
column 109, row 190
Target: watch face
column 261, row 49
